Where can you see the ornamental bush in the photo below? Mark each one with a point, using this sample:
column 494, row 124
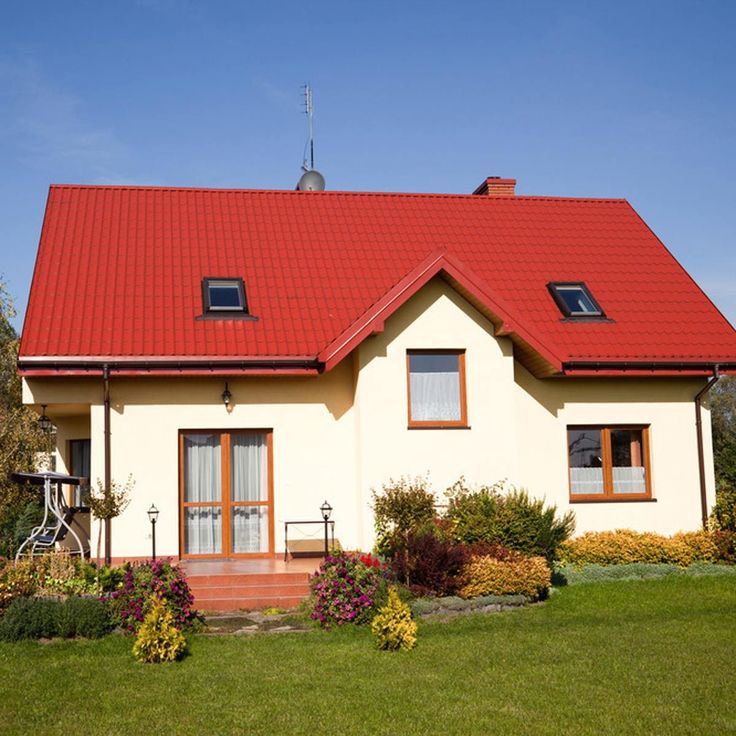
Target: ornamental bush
column 393, row 627
column 723, row 516
column 45, row 618
column 432, row 562
column 507, row 516
column 402, row 507
column 159, row 639
column 17, row 580
column 153, row 578
column 346, row 590
column 30, row 618
column 625, row 546
column 484, row 575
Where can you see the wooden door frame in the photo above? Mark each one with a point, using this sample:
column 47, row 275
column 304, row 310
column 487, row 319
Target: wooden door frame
column 225, row 492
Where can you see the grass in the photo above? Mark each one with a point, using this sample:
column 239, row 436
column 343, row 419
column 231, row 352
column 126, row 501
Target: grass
column 642, row 657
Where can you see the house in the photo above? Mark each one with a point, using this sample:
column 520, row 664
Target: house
column 247, row 354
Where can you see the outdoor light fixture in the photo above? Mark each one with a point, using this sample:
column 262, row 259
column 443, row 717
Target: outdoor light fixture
column 44, row 423
column 326, row 510
column 227, row 397
column 153, row 518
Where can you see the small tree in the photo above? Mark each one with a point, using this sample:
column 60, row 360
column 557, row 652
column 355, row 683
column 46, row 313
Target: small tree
column 108, row 503
column 723, row 421
column 22, row 442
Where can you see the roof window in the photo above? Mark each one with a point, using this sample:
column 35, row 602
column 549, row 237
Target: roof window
column 224, row 298
column 575, row 300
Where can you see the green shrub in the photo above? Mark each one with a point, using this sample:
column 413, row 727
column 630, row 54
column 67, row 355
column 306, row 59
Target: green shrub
column 624, row 546
column 393, row 627
column 85, row 617
column 402, row 507
column 723, row 515
column 30, row 618
column 45, row 618
column 158, row 639
column 529, row 576
column 512, row 519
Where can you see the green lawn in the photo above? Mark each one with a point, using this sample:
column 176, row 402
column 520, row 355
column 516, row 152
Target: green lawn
column 645, row 657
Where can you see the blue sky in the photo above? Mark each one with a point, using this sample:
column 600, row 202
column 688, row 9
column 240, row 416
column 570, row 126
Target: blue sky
column 598, row 99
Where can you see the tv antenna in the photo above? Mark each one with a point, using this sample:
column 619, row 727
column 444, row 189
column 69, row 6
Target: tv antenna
column 311, row 180
column 309, row 112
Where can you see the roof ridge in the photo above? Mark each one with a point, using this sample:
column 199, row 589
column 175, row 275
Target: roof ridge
column 342, row 192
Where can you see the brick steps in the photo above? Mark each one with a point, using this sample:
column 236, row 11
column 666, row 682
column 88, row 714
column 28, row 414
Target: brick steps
column 234, row 591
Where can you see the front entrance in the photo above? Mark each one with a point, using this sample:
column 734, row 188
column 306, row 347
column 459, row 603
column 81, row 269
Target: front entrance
column 226, row 497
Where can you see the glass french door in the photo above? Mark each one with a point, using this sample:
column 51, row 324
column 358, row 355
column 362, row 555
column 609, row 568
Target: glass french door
column 226, row 498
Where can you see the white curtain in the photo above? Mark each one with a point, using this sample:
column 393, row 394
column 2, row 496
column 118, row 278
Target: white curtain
column 434, row 382
column 202, row 482
column 629, row 480
column 249, row 482
column 586, row 480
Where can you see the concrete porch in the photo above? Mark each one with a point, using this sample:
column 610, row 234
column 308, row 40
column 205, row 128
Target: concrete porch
column 231, row 585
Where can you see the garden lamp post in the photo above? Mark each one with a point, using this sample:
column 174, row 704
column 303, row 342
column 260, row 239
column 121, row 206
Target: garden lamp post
column 153, row 518
column 326, row 510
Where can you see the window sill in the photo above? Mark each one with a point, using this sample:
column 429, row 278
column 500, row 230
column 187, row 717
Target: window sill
column 225, row 315
column 611, row 499
column 438, row 426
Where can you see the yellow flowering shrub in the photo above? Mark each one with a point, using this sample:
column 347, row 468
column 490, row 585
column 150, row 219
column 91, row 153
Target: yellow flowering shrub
column 17, row 580
column 624, row 546
column 158, row 639
column 393, row 627
column 484, row 575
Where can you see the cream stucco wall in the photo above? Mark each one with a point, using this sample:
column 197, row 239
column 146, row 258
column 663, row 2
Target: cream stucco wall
column 338, row 435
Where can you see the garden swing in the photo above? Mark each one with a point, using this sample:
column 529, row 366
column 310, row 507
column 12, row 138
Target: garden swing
column 58, row 515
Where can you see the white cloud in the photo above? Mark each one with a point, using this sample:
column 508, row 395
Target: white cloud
column 47, row 126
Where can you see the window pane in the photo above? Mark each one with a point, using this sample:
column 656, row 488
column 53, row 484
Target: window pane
column 248, row 464
column 576, row 300
column 224, row 296
column 250, row 529
column 434, row 384
column 586, row 461
column 628, row 467
column 80, row 466
column 203, row 530
column 202, row 475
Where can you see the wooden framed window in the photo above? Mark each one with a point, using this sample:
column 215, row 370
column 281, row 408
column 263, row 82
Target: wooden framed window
column 226, row 493
column 609, row 463
column 436, row 388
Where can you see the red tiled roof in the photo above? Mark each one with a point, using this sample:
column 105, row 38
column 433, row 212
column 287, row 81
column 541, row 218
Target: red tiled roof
column 119, row 270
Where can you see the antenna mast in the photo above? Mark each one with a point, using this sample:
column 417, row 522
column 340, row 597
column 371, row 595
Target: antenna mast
column 309, row 111
column 311, row 180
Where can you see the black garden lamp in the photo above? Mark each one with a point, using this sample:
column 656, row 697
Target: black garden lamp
column 326, row 510
column 153, row 518
column 44, row 423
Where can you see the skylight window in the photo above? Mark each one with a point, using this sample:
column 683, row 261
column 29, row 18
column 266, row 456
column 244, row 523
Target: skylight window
column 575, row 300
column 221, row 295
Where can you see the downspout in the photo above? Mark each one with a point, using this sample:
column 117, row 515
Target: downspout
column 701, row 451
column 108, row 474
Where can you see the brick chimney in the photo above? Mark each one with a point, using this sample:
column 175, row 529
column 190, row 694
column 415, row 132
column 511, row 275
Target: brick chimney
column 495, row 186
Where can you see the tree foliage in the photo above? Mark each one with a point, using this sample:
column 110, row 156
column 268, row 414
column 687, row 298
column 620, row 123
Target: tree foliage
column 723, row 420
column 21, row 440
